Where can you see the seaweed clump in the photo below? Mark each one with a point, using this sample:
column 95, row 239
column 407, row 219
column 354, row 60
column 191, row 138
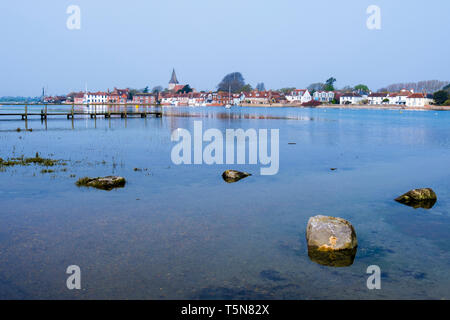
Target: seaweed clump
column 37, row 160
column 104, row 183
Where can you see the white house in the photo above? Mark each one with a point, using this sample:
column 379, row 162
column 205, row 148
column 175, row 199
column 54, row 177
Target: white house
column 415, row 100
column 299, row 96
column 95, row 97
column 238, row 98
column 399, row 97
column 323, row 96
column 351, row 98
column 376, row 98
column 257, row 97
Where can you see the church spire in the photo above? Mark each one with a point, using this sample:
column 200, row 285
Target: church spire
column 173, row 79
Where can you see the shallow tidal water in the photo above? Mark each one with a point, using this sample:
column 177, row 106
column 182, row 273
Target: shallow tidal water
column 181, row 232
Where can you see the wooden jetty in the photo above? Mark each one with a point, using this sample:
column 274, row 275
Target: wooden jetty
column 106, row 111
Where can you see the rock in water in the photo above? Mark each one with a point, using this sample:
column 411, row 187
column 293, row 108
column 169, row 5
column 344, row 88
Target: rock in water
column 231, row 176
column 418, row 198
column 331, row 241
column 104, row 183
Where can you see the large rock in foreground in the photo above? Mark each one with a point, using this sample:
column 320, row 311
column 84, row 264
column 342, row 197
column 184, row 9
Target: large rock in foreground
column 231, row 176
column 331, row 241
column 104, row 183
column 330, row 233
column 419, row 198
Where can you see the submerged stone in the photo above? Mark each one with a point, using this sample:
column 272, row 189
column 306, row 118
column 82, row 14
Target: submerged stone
column 418, row 198
column 104, row 183
column 331, row 241
column 231, row 176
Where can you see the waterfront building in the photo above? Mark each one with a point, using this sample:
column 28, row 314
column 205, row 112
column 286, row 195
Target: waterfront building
column 399, row 97
column 95, row 97
column 299, row 96
column 144, row 98
column 118, row 96
column 351, row 98
column 415, row 100
column 78, row 98
column 257, row 97
column 377, row 98
column 323, row 96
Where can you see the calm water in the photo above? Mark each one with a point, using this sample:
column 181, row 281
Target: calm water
column 177, row 232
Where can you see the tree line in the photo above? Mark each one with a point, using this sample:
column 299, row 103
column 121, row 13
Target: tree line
column 430, row 86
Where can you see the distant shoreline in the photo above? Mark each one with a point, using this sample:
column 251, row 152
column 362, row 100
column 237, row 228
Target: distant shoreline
column 273, row 105
column 353, row 106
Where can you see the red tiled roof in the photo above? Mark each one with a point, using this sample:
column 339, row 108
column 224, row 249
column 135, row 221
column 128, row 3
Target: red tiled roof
column 416, row 95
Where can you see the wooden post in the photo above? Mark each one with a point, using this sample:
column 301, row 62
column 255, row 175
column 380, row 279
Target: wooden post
column 72, row 109
column 26, row 117
column 46, row 112
column 95, row 111
column 125, row 109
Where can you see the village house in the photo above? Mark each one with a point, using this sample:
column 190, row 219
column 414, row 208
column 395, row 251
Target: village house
column 257, row 97
column 299, row 96
column 144, row 98
column 167, row 98
column 377, row 98
column 96, row 97
column 277, row 97
column 55, row 99
column 196, row 98
column 238, row 98
column 78, row 98
column 415, row 100
column 223, row 98
column 399, row 97
column 118, row 96
column 351, row 98
column 323, row 96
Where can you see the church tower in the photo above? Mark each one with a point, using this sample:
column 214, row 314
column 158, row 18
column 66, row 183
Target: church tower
column 173, row 80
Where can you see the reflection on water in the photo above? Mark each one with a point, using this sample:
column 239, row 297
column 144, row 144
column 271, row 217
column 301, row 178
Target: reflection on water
column 338, row 258
column 231, row 115
column 179, row 232
column 425, row 204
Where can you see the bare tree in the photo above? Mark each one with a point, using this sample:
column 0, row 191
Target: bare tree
column 426, row 85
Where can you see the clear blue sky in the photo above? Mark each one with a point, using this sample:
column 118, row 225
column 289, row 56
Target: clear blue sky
column 282, row 43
